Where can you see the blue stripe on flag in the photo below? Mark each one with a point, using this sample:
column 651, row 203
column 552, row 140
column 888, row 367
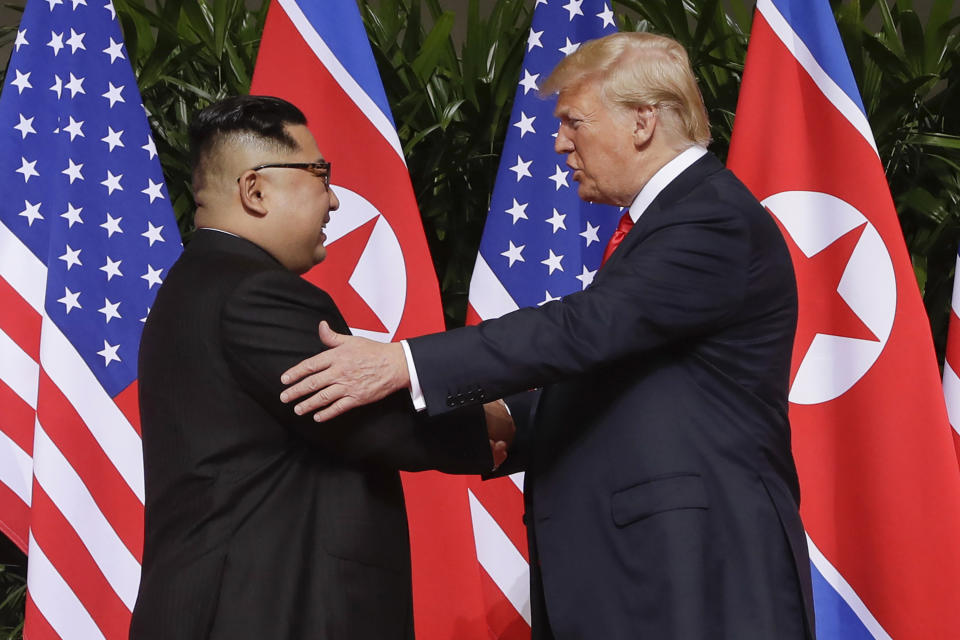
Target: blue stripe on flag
column 814, row 23
column 835, row 619
column 339, row 24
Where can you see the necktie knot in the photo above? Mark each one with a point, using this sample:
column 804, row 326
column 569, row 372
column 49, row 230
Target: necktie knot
column 623, row 228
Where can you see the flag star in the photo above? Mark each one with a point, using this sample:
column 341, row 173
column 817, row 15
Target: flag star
column 71, row 257
column 570, row 47
column 28, row 169
column 529, row 82
column 590, row 233
column 22, row 81
column 112, row 182
column 514, row 253
column 518, row 211
column 557, row 221
column 152, row 276
column 70, row 300
column 112, row 268
column 109, row 353
column 54, row 3
column 74, row 129
column 553, row 262
column 75, row 85
column 109, row 7
column 586, row 278
column 115, row 50
column 533, row 40
column 72, row 214
column 153, row 233
column 539, row 2
column 113, row 138
column 76, row 41
column 525, row 125
column 144, row 318
column 25, row 126
column 57, row 86
column 113, row 94
column 31, row 212
column 560, row 178
column 547, row 298
column 522, row 168
column 112, row 225
column 606, row 16
column 150, row 147
column 73, row 170
column 77, row 3
column 109, row 310
column 21, row 39
column 153, row 190
column 56, row 42
column 573, row 8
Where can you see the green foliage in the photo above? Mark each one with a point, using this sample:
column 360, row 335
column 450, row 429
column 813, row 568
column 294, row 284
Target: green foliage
column 13, row 599
column 451, row 105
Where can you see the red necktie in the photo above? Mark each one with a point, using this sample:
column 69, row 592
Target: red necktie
column 626, row 223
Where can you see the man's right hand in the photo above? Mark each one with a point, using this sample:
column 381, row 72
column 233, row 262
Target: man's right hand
column 353, row 372
column 500, row 430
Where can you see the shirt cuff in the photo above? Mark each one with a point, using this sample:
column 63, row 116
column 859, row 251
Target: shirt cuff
column 416, row 393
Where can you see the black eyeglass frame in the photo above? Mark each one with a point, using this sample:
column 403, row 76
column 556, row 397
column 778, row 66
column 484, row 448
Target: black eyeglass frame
column 319, row 169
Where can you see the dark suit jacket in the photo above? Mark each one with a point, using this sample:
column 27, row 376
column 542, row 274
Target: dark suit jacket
column 661, row 493
column 259, row 523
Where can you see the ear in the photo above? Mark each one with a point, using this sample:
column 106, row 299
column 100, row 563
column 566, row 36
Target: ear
column 645, row 122
column 251, row 185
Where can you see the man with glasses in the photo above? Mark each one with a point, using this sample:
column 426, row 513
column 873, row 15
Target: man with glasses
column 259, row 524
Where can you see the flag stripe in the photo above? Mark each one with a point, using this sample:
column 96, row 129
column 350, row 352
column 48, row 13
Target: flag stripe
column 488, row 297
column 21, row 269
column 845, row 591
column 68, row 492
column 55, row 601
column 16, row 513
column 36, row 626
column 67, row 552
column 353, row 90
column 117, row 438
column 503, row 502
column 953, row 339
column 502, row 618
column 19, row 320
column 16, row 468
column 106, row 486
column 18, row 370
column 500, row 559
column 831, row 90
column 16, row 418
column 951, row 392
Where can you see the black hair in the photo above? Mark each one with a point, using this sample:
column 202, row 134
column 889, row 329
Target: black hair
column 265, row 117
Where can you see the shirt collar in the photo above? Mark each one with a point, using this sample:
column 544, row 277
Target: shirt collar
column 663, row 177
column 220, row 231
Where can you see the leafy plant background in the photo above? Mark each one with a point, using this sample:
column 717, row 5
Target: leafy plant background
column 451, row 98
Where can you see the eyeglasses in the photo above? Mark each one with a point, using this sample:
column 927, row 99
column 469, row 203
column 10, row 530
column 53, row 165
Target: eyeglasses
column 319, row 169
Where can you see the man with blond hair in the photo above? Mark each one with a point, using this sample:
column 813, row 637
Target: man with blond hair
column 661, row 493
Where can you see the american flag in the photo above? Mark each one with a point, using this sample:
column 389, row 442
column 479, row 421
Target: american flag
column 86, row 236
column 951, row 362
column 540, row 242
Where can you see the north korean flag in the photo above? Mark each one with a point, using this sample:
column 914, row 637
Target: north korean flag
column 879, row 477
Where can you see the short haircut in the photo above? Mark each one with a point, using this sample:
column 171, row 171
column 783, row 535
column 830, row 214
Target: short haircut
column 639, row 69
column 257, row 120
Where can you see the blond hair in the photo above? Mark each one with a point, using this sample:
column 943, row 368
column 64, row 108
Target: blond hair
column 639, row 69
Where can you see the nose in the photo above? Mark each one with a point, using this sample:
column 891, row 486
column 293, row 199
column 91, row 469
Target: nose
column 563, row 142
column 334, row 201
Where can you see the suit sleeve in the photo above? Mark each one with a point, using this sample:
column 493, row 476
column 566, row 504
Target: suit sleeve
column 269, row 323
column 683, row 280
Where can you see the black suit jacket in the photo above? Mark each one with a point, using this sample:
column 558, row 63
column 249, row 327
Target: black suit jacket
column 661, row 493
column 260, row 523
